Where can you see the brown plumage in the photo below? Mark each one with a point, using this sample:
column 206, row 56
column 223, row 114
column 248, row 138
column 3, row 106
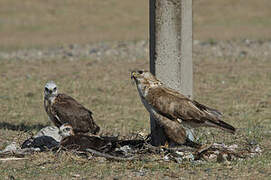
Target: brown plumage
column 175, row 133
column 189, row 111
column 81, row 142
column 63, row 109
column 174, row 106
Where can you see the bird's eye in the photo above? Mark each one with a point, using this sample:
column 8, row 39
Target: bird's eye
column 68, row 129
column 46, row 89
column 140, row 72
column 55, row 89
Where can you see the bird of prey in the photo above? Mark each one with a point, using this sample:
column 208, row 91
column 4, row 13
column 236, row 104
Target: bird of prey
column 168, row 104
column 99, row 146
column 63, row 109
column 81, row 142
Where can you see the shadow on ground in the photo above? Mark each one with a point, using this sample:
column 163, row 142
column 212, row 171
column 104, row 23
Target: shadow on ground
column 21, row 126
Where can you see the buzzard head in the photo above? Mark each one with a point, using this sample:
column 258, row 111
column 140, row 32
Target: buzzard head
column 141, row 82
column 50, row 90
column 144, row 80
column 66, row 130
column 142, row 76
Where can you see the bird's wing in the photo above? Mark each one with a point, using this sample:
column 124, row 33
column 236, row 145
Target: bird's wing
column 82, row 142
column 202, row 107
column 176, row 106
column 172, row 106
column 68, row 110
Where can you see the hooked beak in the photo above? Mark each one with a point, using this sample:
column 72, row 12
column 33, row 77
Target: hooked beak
column 133, row 74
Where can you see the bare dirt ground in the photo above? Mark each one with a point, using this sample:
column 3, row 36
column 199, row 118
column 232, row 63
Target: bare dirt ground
column 89, row 48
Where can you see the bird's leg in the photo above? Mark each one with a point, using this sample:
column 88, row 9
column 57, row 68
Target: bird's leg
column 166, row 145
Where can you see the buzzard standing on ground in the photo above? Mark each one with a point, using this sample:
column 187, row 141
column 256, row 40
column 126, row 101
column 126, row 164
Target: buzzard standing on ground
column 168, row 104
column 63, row 109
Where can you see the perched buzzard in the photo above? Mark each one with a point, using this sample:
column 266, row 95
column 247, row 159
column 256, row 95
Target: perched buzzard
column 63, row 109
column 171, row 105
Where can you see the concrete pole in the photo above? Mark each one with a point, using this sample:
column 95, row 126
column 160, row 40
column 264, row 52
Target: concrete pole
column 171, row 49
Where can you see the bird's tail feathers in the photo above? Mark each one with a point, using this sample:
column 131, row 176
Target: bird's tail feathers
column 208, row 109
column 222, row 125
column 214, row 112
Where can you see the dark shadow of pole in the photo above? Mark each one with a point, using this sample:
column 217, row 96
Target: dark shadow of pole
column 157, row 133
column 21, row 126
column 152, row 35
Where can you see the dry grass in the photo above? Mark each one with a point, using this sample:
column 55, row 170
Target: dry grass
column 232, row 19
column 36, row 23
column 238, row 87
column 44, row 23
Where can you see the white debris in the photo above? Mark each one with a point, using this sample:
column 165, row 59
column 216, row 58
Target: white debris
column 189, row 157
column 258, row 149
column 125, row 148
column 212, row 156
column 166, row 158
column 233, row 147
column 13, row 147
column 51, row 131
column 179, row 153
